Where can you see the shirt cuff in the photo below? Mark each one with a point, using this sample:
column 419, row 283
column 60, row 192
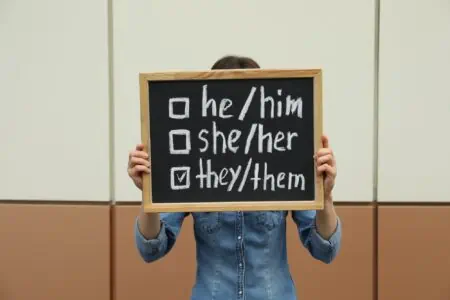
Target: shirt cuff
column 323, row 245
column 152, row 247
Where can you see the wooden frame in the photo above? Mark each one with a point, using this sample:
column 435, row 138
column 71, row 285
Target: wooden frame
column 149, row 206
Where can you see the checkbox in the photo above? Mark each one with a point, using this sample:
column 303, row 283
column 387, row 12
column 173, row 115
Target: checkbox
column 180, row 178
column 183, row 136
column 179, row 103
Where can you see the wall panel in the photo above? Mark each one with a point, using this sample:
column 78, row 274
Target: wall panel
column 54, row 100
column 134, row 279
column 351, row 275
column 414, row 249
column 414, row 108
column 54, row 252
column 337, row 36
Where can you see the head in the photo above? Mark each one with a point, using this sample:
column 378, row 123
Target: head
column 235, row 62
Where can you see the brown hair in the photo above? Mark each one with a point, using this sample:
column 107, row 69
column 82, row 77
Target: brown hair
column 235, row 62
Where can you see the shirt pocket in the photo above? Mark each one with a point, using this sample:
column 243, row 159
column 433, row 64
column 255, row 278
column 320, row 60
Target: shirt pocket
column 267, row 220
column 208, row 222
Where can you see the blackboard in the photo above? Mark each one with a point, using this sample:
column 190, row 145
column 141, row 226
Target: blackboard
column 232, row 140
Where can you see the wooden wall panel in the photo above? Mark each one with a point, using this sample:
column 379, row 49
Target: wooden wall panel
column 171, row 277
column 414, row 253
column 54, row 252
column 349, row 277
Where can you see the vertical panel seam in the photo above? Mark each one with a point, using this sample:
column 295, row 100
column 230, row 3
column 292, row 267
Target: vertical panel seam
column 111, row 117
column 112, row 294
column 376, row 116
column 376, row 100
column 111, row 131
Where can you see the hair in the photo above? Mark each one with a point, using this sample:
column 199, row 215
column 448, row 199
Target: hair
column 235, row 62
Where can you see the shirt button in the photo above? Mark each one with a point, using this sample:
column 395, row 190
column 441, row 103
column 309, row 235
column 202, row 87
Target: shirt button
column 239, row 237
column 240, row 292
column 240, row 265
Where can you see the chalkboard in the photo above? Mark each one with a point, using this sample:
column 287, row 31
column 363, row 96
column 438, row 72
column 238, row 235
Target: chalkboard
column 232, row 140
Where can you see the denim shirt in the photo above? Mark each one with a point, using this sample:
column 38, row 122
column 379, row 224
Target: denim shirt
column 241, row 255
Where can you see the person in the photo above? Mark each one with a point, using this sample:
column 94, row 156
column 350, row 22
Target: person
column 241, row 255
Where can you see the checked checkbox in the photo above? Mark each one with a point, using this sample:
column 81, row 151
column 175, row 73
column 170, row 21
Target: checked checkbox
column 180, row 178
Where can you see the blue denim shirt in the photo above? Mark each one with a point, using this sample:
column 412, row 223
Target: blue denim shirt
column 241, row 255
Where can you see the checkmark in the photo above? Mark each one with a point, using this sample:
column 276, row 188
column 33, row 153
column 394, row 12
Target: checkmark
column 180, row 178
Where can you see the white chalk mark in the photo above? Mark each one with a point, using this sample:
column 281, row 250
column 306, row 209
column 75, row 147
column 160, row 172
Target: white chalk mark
column 297, row 178
column 208, row 102
column 250, row 136
column 262, row 137
column 294, row 105
column 203, row 139
column 280, row 178
column 224, row 105
column 244, row 178
column 291, row 135
column 181, row 132
column 173, row 115
column 267, row 177
column 263, row 101
column 200, row 175
column 232, row 139
column 178, row 175
column 279, row 108
column 234, row 177
column 181, row 177
column 247, row 104
column 255, row 178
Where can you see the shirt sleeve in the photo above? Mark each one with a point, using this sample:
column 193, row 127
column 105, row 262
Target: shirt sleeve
column 154, row 249
column 320, row 248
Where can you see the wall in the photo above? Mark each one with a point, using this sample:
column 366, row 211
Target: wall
column 69, row 114
column 414, row 111
column 54, row 100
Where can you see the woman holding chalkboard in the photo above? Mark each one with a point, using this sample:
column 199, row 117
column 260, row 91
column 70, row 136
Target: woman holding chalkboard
column 242, row 255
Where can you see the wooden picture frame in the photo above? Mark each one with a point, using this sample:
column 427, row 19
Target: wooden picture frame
column 145, row 78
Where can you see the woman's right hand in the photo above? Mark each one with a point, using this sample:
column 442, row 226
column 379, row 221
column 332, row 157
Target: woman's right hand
column 138, row 164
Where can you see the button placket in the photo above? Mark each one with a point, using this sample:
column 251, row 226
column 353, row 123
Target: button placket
column 240, row 253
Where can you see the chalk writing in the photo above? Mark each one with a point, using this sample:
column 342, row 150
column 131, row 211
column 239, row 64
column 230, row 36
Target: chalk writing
column 215, row 141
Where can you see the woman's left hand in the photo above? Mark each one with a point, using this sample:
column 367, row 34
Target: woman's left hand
column 326, row 166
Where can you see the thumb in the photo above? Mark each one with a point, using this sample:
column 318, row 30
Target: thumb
column 325, row 142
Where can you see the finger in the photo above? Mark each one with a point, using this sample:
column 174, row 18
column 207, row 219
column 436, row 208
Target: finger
column 138, row 169
column 142, row 169
column 323, row 152
column 325, row 159
column 325, row 141
column 140, row 154
column 327, row 169
column 139, row 161
column 139, row 147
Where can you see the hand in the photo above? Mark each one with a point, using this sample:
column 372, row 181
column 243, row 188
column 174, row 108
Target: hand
column 138, row 163
column 326, row 166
